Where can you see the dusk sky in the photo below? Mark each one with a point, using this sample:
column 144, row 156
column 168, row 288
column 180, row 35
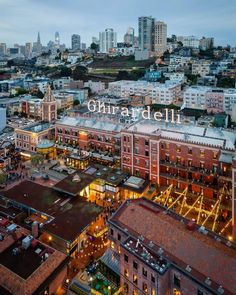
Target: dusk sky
column 20, row 20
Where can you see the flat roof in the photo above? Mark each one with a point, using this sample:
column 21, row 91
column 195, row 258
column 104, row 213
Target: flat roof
column 207, row 256
column 73, row 184
column 207, row 136
column 74, row 213
column 94, row 123
column 25, row 272
column 37, row 128
column 76, row 216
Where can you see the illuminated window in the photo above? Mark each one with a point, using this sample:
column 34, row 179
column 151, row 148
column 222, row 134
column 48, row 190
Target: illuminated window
column 126, row 273
column 190, row 151
column 215, row 155
column 135, row 292
column 202, row 153
column 112, row 245
column 153, row 292
column 176, row 292
column 178, row 149
column 145, row 288
column 135, row 279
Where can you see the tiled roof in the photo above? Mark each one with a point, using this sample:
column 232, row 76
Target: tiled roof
column 203, row 253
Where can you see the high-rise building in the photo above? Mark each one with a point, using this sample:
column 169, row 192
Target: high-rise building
column 107, row 40
column 160, row 37
column 83, row 46
column 95, row 40
column 37, row 46
column 3, row 48
column 49, row 106
column 57, row 40
column 28, row 49
column 129, row 36
column 146, row 32
column 206, row 43
column 75, row 42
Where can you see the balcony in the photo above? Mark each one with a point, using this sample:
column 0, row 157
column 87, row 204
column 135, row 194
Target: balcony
column 180, row 166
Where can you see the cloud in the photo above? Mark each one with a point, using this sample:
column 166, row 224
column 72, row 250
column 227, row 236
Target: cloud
column 21, row 20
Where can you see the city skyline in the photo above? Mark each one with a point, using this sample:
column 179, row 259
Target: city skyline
column 72, row 18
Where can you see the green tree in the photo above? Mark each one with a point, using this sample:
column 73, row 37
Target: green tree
column 76, row 102
column 3, row 178
column 79, row 73
column 65, row 72
column 36, row 160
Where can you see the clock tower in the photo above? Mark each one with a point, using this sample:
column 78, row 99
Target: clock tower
column 49, row 106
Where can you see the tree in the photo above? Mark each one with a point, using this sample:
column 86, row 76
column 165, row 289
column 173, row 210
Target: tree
column 21, row 91
column 76, row 102
column 94, row 47
column 3, row 178
column 65, row 72
column 123, row 75
column 37, row 159
column 79, row 73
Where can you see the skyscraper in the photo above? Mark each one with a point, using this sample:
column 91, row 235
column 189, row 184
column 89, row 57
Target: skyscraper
column 160, row 37
column 129, row 36
column 107, row 40
column 37, row 47
column 57, row 40
column 146, row 32
column 75, row 42
column 3, row 49
column 28, row 49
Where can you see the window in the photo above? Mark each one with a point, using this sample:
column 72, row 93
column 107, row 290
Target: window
column 200, row 292
column 145, row 288
column 118, row 237
column 146, row 153
column 144, row 272
column 153, row 278
column 215, row 155
column 176, row 281
column 153, row 292
column 202, row 153
column 190, row 151
column 146, row 142
column 135, row 279
column 178, row 149
column 135, row 265
column 112, row 231
column 126, row 258
column 126, row 273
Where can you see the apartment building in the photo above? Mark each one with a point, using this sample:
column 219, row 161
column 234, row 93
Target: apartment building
column 162, row 253
column 159, row 93
column 201, row 67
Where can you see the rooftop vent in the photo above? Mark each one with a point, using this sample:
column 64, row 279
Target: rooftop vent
column 188, row 268
column 220, row 290
column 208, row 281
column 76, row 178
column 150, row 244
column 160, row 251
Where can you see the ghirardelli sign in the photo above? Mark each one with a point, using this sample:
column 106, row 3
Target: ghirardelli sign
column 167, row 115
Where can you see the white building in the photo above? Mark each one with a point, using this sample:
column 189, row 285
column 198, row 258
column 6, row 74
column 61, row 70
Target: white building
column 3, row 118
column 107, row 40
column 230, row 101
column 189, row 41
column 201, row 67
column 176, row 76
column 157, row 92
column 74, row 57
column 61, row 83
column 195, row 97
column 96, row 87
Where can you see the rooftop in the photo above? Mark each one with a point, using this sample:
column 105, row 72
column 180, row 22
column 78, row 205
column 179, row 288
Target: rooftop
column 37, row 128
column 75, row 213
column 24, row 270
column 93, row 123
column 205, row 255
column 208, row 136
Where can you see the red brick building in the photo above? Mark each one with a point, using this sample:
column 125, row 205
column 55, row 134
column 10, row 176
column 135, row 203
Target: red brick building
column 185, row 156
column 90, row 134
column 162, row 254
